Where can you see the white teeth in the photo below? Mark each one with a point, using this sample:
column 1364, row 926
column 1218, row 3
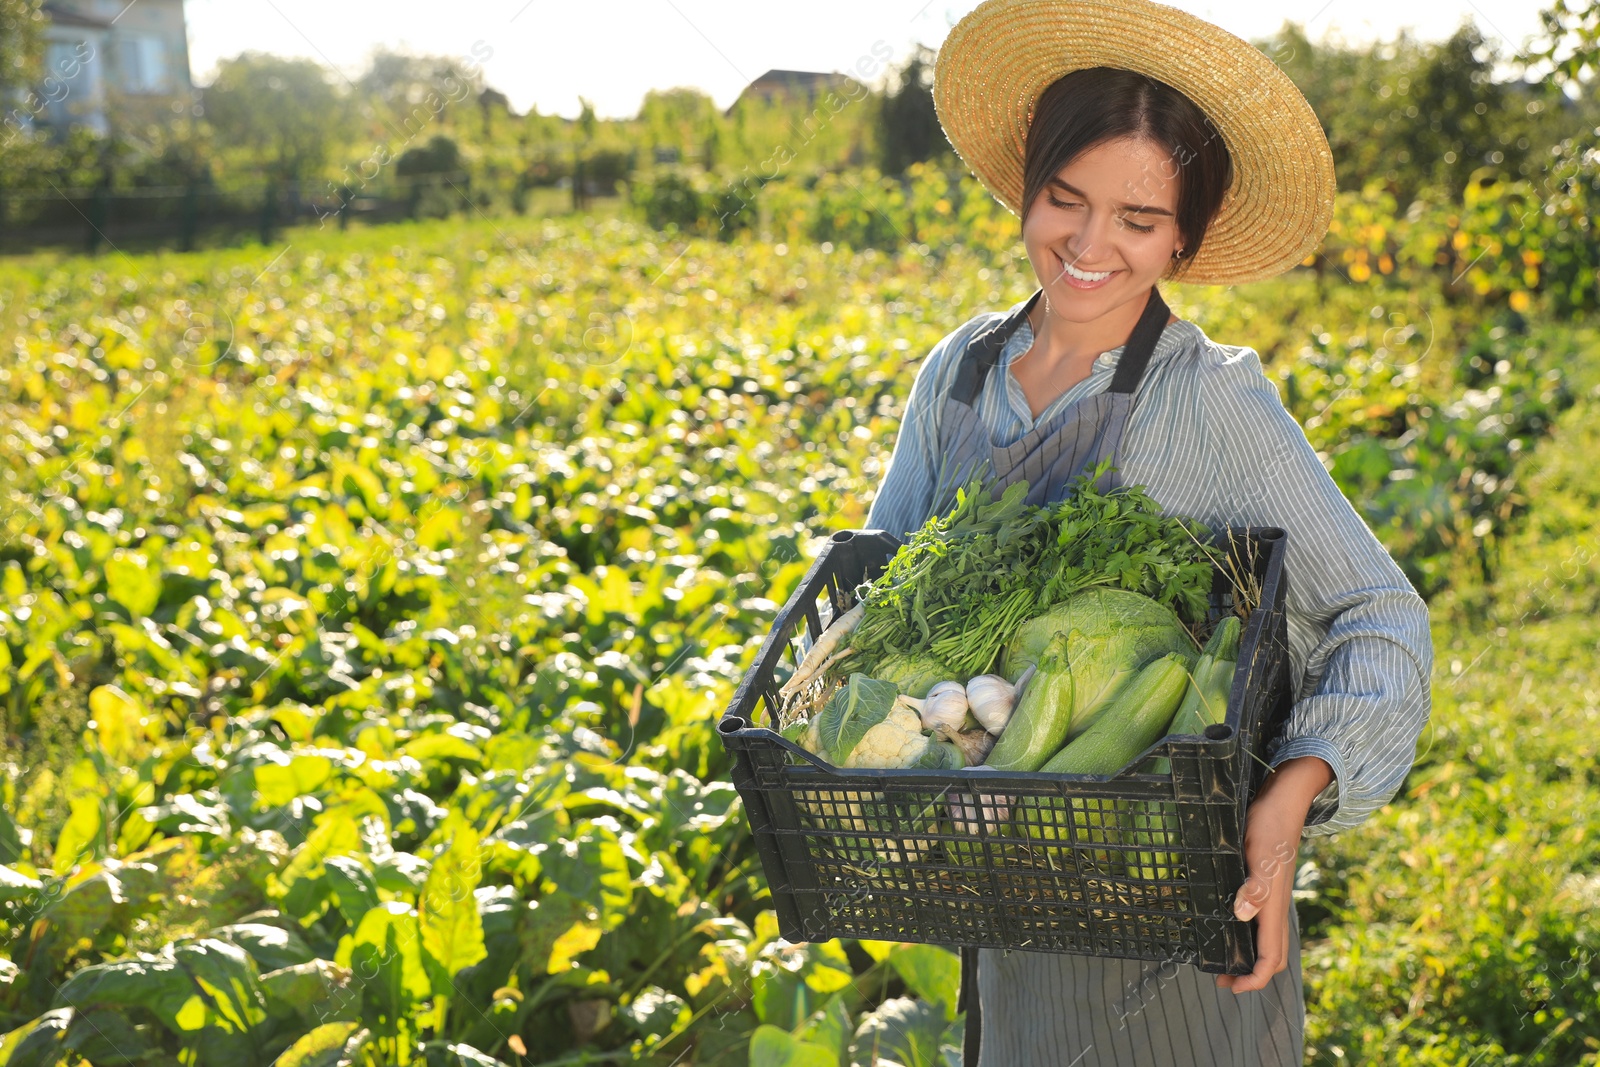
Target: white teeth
column 1084, row 276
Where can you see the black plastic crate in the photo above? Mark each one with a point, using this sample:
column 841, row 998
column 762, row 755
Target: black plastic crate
column 1138, row 865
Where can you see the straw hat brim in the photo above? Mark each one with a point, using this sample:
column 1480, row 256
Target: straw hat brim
column 1004, row 53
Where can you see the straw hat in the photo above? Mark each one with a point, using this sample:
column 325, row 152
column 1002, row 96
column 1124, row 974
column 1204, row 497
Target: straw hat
column 1004, row 53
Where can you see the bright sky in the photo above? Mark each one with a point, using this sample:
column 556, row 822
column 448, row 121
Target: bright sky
column 547, row 53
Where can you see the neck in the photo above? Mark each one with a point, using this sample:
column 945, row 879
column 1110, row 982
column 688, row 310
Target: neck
column 1062, row 342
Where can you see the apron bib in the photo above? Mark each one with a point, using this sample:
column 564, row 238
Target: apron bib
column 1049, row 1008
column 1057, row 449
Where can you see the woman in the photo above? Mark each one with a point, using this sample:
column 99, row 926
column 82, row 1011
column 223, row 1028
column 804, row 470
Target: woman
column 1138, row 144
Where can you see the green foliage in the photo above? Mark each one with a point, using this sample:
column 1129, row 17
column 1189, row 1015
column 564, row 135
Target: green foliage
column 688, row 201
column 1570, row 43
column 410, row 90
column 1408, row 115
column 964, row 582
column 439, row 156
column 907, row 125
column 402, row 583
column 20, row 41
column 285, row 109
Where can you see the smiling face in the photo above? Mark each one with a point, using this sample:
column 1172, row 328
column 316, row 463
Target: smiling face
column 1109, row 214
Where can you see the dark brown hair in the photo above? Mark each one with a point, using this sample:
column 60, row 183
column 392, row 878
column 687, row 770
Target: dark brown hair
column 1086, row 107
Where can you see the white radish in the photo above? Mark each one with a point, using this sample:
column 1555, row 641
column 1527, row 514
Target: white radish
column 825, row 653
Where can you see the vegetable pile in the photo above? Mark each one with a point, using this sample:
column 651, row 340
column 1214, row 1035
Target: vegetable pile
column 1004, row 635
column 969, row 579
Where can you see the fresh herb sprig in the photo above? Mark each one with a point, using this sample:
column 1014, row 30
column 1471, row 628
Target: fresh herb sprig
column 1121, row 539
column 965, row 582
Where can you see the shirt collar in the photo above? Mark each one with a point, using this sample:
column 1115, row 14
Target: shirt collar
column 1175, row 338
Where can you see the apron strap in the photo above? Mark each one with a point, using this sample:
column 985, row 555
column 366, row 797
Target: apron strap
column 982, row 352
column 967, row 1000
column 1141, row 344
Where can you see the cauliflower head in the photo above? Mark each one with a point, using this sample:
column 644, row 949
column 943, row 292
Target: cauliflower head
column 897, row 741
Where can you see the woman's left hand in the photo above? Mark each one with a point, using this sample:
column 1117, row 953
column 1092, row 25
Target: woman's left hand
column 1272, row 830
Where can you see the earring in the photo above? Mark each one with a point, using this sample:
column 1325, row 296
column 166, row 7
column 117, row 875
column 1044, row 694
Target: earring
column 1178, row 254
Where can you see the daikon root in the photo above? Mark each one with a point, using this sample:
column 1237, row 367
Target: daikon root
column 825, row 652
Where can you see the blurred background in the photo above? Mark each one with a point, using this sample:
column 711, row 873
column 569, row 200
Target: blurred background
column 161, row 122
column 412, row 419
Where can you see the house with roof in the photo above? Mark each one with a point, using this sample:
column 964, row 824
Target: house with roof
column 109, row 62
column 790, row 85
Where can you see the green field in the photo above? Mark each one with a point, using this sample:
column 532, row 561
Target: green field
column 367, row 600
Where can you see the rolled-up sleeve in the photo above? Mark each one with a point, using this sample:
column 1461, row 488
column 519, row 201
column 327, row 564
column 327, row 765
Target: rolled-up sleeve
column 905, row 494
column 1360, row 648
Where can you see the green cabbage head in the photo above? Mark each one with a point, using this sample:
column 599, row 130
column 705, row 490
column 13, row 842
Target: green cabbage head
column 1110, row 634
column 915, row 673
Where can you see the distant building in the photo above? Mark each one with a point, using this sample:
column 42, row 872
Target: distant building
column 109, row 61
column 804, row 85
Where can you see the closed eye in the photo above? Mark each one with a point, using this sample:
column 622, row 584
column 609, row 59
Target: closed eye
column 1134, row 226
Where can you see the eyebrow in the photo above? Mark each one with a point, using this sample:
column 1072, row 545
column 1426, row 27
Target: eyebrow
column 1137, row 209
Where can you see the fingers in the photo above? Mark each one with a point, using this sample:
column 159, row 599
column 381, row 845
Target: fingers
column 1267, row 967
column 1257, row 900
column 1272, row 956
column 1272, row 838
column 1252, row 895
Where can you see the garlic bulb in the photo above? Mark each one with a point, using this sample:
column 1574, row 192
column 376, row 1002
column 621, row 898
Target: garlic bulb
column 986, row 812
column 945, row 705
column 974, row 744
column 992, row 700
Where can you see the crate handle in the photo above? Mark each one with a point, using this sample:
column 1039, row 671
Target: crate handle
column 731, row 725
column 810, row 757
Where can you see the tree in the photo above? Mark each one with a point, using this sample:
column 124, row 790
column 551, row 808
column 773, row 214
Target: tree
column 490, row 101
column 439, row 156
column 1414, row 114
column 908, row 126
column 587, row 123
column 283, row 112
column 1458, row 102
column 1570, row 43
column 20, row 43
column 414, row 90
column 435, row 170
column 676, row 118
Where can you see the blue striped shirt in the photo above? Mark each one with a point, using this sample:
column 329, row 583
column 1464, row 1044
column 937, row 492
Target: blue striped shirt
column 1208, row 436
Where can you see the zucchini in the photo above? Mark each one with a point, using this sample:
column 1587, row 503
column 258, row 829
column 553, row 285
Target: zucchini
column 1042, row 718
column 1224, row 642
column 1215, row 684
column 1214, row 692
column 1134, row 721
column 1129, row 725
column 1186, row 714
column 1206, row 702
column 1148, row 822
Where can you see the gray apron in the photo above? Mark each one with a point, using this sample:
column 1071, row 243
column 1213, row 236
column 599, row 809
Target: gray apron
column 1050, row 1009
column 1052, row 454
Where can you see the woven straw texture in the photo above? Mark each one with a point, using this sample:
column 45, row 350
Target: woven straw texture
column 1004, row 53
